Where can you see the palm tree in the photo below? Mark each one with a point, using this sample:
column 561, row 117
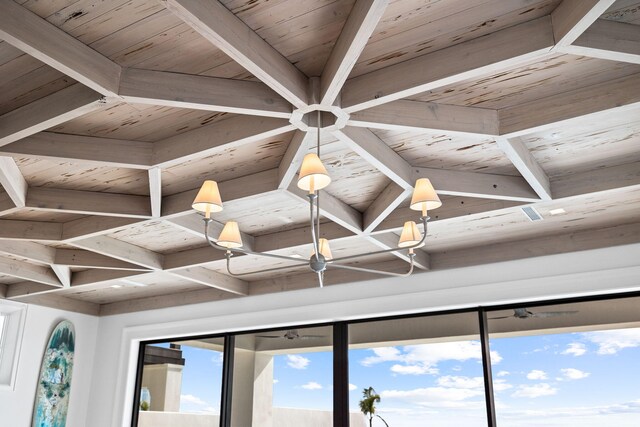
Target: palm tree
column 368, row 405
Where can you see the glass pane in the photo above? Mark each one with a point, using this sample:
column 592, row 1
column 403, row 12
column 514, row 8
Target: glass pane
column 182, row 383
column 568, row 365
column 283, row 378
column 425, row 371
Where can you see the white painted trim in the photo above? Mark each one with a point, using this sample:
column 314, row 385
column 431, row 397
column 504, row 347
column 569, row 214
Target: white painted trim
column 592, row 272
column 16, row 316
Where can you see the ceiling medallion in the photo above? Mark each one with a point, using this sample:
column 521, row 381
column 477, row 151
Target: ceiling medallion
column 312, row 178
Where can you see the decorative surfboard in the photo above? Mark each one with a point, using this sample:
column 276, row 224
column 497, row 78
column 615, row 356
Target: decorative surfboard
column 52, row 395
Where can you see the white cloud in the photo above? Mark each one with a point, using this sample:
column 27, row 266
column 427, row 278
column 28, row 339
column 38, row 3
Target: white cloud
column 545, row 413
column 352, row 387
column 382, row 354
column 217, row 359
column 413, row 370
column 611, row 342
column 575, row 349
column 501, row 385
column 432, row 394
column 297, row 362
column 537, row 375
column 503, row 373
column 460, row 382
column 574, row 374
column 275, row 381
column 312, row 385
column 189, row 398
column 423, row 359
column 536, row 390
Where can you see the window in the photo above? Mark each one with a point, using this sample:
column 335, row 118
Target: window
column 561, row 363
column 283, row 377
column 424, row 370
column 181, row 383
column 567, row 364
column 12, row 318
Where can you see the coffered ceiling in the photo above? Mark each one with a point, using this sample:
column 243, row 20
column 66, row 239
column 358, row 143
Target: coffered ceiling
column 113, row 113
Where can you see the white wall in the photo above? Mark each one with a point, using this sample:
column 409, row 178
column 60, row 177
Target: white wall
column 582, row 273
column 16, row 406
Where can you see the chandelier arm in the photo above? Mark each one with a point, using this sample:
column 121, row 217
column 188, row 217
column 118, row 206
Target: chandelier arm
column 321, row 278
column 314, row 238
column 384, row 273
column 213, row 244
column 384, row 251
column 231, row 273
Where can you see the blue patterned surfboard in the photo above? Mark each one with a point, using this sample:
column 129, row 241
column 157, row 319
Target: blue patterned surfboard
column 52, row 395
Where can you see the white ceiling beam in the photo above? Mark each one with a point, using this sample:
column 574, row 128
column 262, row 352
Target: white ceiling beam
column 377, row 153
column 155, row 191
column 572, row 17
column 406, row 115
column 234, row 189
column 100, row 278
column 17, row 291
column 226, row 134
column 610, row 40
column 163, row 301
column 52, row 110
column 480, row 185
column 95, row 226
column 213, row 279
column 51, row 45
column 527, row 165
column 88, row 202
column 26, row 271
column 202, row 93
column 495, row 52
column 87, row 259
column 59, row 302
column 361, row 23
column 292, row 159
column 386, row 202
column 30, row 230
column 538, row 246
column 63, row 272
column 232, row 36
column 100, row 151
column 123, row 251
column 611, row 97
column 13, row 182
column 34, row 252
column 604, row 179
column 331, row 208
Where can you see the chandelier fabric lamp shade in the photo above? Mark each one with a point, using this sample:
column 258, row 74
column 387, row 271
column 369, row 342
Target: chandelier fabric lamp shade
column 208, row 199
column 424, row 197
column 230, row 237
column 410, row 236
column 325, row 250
column 313, row 175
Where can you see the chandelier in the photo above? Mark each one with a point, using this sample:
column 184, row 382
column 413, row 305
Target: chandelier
column 312, row 178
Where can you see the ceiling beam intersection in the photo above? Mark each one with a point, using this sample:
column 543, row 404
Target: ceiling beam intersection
column 212, row 20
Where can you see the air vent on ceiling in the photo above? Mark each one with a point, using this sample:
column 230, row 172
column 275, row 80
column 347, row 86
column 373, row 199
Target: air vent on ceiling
column 531, row 213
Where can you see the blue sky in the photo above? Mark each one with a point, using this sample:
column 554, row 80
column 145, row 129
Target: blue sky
column 587, row 379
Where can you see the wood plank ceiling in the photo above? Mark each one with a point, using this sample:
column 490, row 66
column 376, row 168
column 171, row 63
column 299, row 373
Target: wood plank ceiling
column 113, row 113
